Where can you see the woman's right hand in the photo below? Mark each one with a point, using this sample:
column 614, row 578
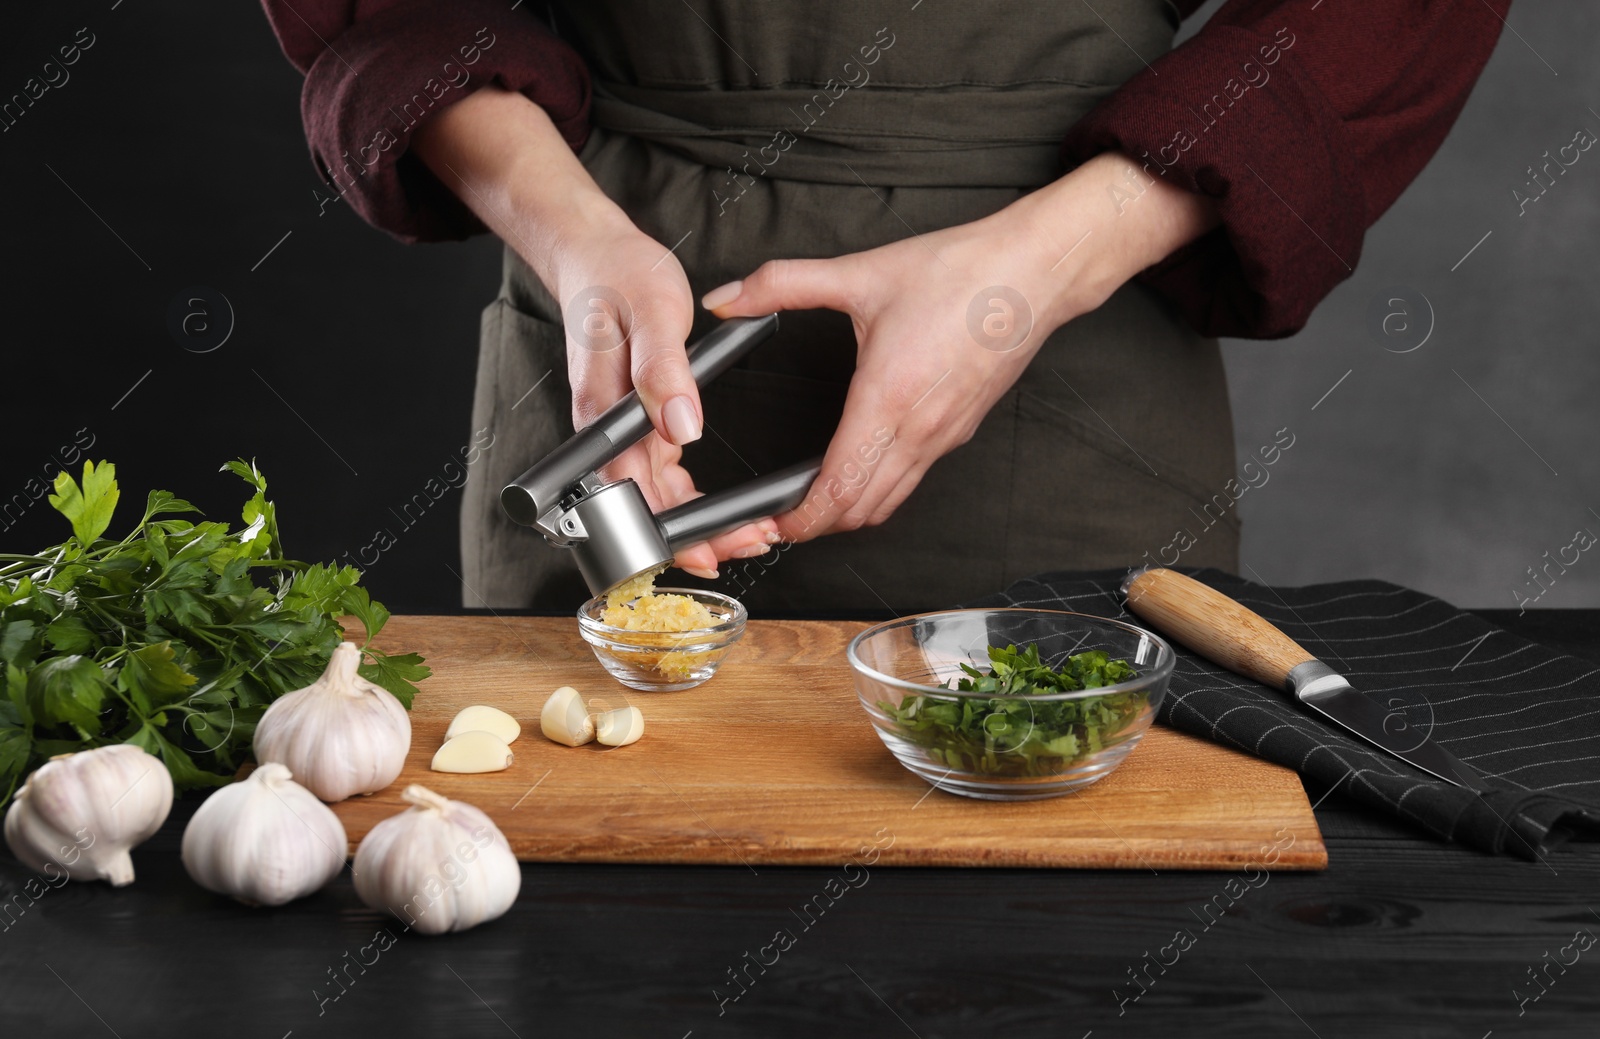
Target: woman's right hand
column 625, row 301
column 627, row 309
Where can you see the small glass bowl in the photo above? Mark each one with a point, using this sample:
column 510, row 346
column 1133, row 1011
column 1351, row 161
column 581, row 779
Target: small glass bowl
column 915, row 656
column 664, row 661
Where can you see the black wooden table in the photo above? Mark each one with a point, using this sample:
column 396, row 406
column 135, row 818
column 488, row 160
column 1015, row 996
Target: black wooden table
column 1400, row 936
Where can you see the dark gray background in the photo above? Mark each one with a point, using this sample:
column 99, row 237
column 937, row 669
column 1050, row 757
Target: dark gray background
column 174, row 156
column 1402, row 472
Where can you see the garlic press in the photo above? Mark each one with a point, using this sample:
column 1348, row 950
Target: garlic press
column 609, row 527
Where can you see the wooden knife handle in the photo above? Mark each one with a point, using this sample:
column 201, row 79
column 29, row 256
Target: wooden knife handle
column 1214, row 626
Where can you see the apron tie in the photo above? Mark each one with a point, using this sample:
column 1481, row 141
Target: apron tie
column 1006, row 137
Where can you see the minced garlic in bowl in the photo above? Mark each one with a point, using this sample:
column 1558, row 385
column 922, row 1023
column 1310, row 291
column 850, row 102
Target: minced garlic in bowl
column 635, row 605
column 660, row 640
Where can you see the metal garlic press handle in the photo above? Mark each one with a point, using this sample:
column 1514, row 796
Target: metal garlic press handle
column 714, row 514
column 623, row 424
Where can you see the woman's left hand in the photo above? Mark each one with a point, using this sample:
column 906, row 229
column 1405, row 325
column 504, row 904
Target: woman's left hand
column 946, row 322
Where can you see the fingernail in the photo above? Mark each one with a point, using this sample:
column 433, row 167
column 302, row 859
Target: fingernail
column 721, row 294
column 682, row 422
column 773, row 537
column 752, row 550
column 704, row 575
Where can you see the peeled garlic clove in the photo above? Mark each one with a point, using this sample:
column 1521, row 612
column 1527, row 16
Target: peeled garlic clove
column 474, row 751
column 81, row 813
column 620, row 727
column 565, row 719
column 438, row 866
column 339, row 736
column 484, row 719
column 265, row 840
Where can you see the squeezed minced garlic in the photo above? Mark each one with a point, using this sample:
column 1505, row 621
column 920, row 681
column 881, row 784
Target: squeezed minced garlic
column 636, row 587
column 635, row 605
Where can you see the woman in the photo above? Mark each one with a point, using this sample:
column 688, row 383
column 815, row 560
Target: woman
column 1005, row 232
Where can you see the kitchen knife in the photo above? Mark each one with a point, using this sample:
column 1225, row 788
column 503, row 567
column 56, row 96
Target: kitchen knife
column 1229, row 634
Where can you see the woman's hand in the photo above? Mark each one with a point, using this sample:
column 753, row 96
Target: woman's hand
column 946, row 322
column 627, row 312
column 625, row 301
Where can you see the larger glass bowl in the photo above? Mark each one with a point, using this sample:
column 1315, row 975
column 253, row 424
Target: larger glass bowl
column 664, row 661
column 1018, row 747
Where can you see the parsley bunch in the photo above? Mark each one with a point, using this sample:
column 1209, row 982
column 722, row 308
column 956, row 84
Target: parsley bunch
column 1012, row 735
column 175, row 638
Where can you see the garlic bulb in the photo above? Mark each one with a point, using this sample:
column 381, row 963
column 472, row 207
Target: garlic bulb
column 339, row 736
column 473, row 751
column 565, row 719
column 439, row 866
column 265, row 840
column 83, row 812
column 620, row 727
column 479, row 718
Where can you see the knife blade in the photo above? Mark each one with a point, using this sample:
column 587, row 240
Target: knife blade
column 1331, row 695
column 1235, row 637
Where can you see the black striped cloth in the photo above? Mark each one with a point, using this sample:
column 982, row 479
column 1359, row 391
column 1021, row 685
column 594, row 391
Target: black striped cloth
column 1526, row 717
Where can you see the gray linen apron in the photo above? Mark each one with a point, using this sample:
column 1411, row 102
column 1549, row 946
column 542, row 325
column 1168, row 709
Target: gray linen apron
column 878, row 119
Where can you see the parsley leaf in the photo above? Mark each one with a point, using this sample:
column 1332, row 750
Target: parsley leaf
column 359, row 604
column 67, row 690
column 150, row 674
column 90, row 507
column 396, row 674
column 14, row 746
column 14, row 638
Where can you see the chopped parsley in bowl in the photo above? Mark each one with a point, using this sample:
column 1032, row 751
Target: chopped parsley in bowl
column 1064, row 697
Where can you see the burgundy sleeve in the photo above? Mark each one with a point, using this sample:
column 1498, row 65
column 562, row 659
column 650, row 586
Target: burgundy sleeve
column 376, row 68
column 1304, row 120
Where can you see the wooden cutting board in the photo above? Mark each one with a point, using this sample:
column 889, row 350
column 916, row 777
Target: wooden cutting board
column 774, row 761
